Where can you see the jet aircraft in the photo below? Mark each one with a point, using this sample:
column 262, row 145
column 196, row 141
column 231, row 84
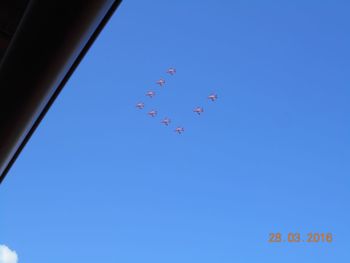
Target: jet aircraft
column 198, row 110
column 152, row 113
column 179, row 130
column 171, row 71
column 166, row 121
column 160, row 82
column 140, row 105
column 213, row 97
column 150, row 94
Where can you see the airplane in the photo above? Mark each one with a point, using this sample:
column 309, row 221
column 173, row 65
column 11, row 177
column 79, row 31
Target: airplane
column 166, row 121
column 161, row 82
column 198, row 110
column 150, row 94
column 179, row 130
column 213, row 97
column 140, row 105
column 152, row 113
column 171, row 71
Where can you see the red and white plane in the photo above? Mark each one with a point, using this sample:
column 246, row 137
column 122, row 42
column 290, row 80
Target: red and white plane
column 213, row 97
column 150, row 94
column 161, row 82
column 140, row 105
column 179, row 130
column 166, row 121
column 171, row 71
column 152, row 113
column 198, row 110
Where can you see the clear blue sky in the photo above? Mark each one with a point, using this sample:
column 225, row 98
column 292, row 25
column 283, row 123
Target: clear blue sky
column 102, row 182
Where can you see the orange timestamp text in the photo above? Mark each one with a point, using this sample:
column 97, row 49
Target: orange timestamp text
column 295, row 237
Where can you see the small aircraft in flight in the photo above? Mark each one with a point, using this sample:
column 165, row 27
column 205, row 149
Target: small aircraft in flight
column 198, row 110
column 152, row 113
column 161, row 82
column 166, row 121
column 140, row 105
column 171, row 71
column 150, row 94
column 179, row 130
column 213, row 97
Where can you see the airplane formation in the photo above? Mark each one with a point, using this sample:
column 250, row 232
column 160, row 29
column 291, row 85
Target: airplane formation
column 166, row 121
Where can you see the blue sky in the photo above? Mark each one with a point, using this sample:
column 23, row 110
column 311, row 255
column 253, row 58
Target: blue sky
column 102, row 182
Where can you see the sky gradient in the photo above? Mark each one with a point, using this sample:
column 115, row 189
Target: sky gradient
column 100, row 181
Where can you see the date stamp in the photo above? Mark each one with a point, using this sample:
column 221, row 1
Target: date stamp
column 295, row 237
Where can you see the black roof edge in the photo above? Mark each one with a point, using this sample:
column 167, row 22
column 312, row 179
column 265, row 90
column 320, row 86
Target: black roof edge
column 18, row 125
